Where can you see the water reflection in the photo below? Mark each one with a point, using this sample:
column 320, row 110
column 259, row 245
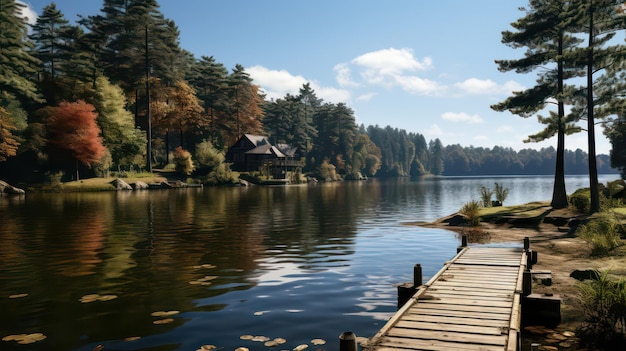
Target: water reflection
column 295, row 262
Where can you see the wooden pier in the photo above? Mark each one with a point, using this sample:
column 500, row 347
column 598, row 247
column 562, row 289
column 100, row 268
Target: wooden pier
column 472, row 303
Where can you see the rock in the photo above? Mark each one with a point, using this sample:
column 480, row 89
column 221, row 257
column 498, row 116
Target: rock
column 455, row 220
column 139, row 185
column 7, row 188
column 243, row 182
column 119, row 184
column 585, row 274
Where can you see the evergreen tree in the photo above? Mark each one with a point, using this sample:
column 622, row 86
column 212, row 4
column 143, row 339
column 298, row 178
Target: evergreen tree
column 50, row 38
column 17, row 71
column 543, row 31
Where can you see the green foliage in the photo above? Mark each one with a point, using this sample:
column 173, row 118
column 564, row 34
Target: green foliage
column 501, row 193
column 485, row 196
column 327, row 171
column 602, row 233
column 581, row 199
column 604, row 310
column 471, row 211
column 182, row 161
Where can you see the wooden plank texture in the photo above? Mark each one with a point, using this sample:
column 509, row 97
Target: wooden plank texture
column 472, row 303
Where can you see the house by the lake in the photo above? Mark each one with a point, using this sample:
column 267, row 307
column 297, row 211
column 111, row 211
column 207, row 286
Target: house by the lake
column 255, row 153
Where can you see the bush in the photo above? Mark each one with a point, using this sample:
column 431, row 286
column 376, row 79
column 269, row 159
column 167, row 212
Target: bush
column 471, row 212
column 485, row 196
column 182, row 161
column 501, row 193
column 604, row 311
column 581, row 199
column 602, row 233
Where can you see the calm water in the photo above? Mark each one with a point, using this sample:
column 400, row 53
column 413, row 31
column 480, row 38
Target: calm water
column 298, row 263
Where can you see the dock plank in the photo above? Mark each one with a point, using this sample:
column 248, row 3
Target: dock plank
column 472, row 303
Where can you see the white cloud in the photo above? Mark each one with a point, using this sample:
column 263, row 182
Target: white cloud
column 487, row 86
column 28, row 13
column 343, row 75
column 384, row 66
column 419, row 86
column 434, row 131
column 366, row 97
column 481, row 138
column 462, row 117
column 278, row 83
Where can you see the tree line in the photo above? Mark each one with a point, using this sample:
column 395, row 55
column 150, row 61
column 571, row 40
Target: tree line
column 116, row 91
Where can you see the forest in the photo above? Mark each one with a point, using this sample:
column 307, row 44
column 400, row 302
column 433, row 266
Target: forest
column 116, row 92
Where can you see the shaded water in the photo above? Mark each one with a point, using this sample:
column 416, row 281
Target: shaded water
column 298, row 262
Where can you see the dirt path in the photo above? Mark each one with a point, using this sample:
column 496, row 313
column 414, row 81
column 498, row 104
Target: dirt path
column 560, row 252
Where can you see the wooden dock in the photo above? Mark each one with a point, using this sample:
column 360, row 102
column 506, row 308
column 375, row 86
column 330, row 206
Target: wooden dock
column 472, row 303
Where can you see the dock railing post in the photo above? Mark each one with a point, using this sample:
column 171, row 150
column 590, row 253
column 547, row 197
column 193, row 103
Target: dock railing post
column 527, row 278
column 463, row 243
column 417, row 276
column 347, row 341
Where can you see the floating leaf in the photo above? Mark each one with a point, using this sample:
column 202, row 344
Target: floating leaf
column 164, row 313
column 208, row 347
column 246, row 337
column 300, row 347
column 17, row 296
column 318, row 341
column 260, row 338
column 280, row 341
column 271, row 343
column 132, row 338
column 164, row 321
column 242, row 349
column 259, row 313
column 107, row 297
column 25, row 339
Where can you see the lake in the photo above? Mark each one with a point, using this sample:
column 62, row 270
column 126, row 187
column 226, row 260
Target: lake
column 179, row 269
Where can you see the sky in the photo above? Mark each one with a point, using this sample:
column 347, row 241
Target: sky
column 422, row 66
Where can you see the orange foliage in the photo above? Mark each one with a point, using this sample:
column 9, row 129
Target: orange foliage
column 73, row 127
column 8, row 142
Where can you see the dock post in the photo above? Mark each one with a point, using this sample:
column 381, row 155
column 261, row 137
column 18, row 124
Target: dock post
column 417, row 276
column 463, row 243
column 526, row 243
column 347, row 341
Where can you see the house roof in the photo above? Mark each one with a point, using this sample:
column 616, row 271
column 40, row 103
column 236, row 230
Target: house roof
column 257, row 140
column 287, row 149
column 266, row 149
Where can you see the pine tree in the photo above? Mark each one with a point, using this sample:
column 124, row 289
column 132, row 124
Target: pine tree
column 51, row 44
column 17, row 65
column 544, row 32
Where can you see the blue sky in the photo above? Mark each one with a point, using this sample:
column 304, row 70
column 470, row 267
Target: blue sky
column 423, row 66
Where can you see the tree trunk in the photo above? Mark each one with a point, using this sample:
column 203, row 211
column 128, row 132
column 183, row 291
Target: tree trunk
column 591, row 138
column 559, row 194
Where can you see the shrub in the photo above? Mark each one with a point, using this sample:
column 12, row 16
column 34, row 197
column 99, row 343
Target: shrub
column 501, row 193
column 581, row 199
column 485, row 196
column 182, row 161
column 604, row 310
column 602, row 233
column 471, row 212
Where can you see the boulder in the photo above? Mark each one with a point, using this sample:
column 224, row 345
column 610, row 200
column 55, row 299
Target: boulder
column 7, row 188
column 119, row 184
column 586, row 274
column 139, row 185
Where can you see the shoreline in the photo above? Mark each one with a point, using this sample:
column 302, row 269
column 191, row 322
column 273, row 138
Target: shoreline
column 559, row 251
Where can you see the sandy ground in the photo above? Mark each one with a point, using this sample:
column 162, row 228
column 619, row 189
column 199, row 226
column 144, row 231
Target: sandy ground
column 560, row 252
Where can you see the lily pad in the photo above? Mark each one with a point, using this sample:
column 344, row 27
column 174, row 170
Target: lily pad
column 300, row 347
column 242, row 349
column 163, row 321
column 25, row 339
column 164, row 313
column 280, row 341
column 260, row 338
column 132, row 338
column 271, row 343
column 246, row 337
column 318, row 341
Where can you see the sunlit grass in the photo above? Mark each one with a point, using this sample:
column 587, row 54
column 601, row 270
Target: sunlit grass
column 104, row 184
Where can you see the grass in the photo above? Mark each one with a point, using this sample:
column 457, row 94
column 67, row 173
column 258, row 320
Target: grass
column 528, row 211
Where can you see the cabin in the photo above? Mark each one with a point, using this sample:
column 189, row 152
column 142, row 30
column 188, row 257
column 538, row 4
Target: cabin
column 255, row 153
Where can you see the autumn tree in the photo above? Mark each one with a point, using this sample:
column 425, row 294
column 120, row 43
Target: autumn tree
column 74, row 133
column 244, row 110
